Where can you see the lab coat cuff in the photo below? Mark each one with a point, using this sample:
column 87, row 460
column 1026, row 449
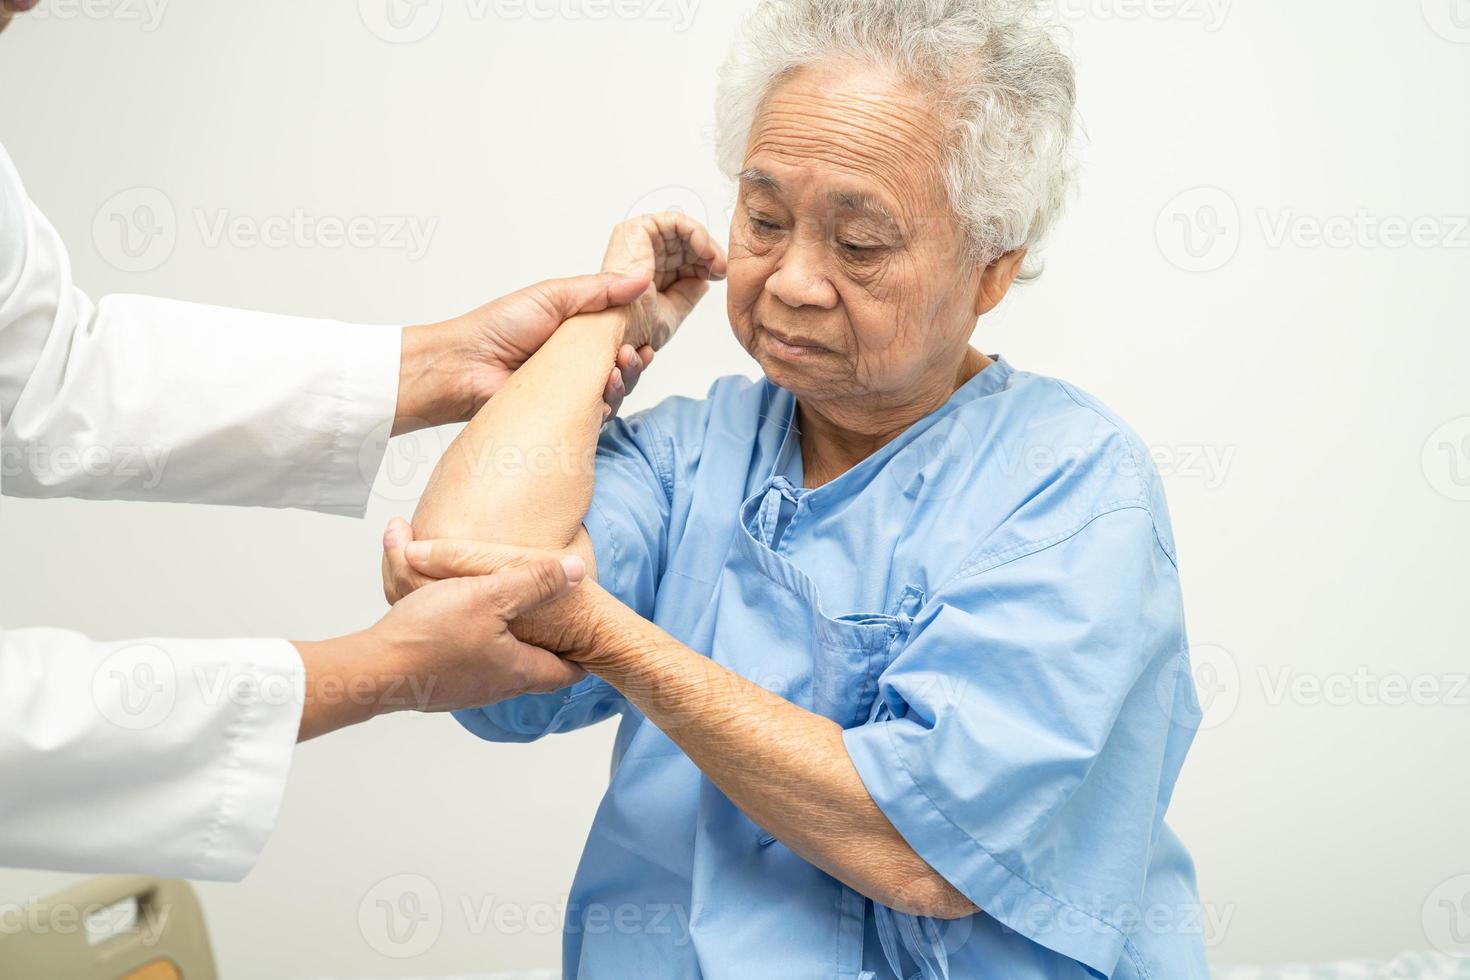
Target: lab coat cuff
column 1026, row 907
column 252, row 772
column 366, row 400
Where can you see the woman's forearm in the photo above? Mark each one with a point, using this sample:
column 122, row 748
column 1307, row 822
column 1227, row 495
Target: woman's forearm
column 785, row 767
column 521, row 471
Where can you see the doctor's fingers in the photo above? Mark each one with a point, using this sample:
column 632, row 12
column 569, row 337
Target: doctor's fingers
column 539, row 671
column 592, row 293
column 399, row 577
column 517, row 591
column 457, row 557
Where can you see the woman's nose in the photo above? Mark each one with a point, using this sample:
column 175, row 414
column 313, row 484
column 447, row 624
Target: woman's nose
column 800, row 279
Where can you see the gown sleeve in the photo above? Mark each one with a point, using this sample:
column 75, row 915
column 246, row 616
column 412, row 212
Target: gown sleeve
column 1028, row 735
column 164, row 756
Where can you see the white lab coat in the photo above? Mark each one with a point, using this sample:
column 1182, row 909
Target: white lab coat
column 162, row 756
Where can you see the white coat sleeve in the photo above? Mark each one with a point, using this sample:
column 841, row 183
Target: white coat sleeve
column 138, row 398
column 165, row 757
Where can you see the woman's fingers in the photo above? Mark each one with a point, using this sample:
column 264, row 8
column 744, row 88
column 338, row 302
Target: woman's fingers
column 613, row 391
column 684, row 246
column 682, row 297
column 451, row 558
column 630, row 367
column 681, row 232
column 627, row 369
column 670, row 244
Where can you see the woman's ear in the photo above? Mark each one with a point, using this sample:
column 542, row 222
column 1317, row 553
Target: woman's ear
column 996, row 279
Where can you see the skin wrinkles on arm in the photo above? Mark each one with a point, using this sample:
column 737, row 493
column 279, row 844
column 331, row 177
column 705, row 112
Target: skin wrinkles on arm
column 785, row 767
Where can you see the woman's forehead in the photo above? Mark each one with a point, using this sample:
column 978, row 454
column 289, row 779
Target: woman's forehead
column 862, row 135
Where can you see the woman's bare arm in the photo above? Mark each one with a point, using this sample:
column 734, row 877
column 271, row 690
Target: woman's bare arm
column 521, row 472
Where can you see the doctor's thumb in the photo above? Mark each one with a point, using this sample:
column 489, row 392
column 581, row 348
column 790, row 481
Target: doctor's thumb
column 595, row 292
column 520, row 590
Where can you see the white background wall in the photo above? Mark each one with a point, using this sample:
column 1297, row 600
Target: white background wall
column 1308, row 402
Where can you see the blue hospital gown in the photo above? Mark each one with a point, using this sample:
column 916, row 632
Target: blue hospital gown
column 988, row 606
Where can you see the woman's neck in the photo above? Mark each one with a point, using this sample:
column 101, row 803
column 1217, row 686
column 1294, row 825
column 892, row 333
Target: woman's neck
column 836, row 435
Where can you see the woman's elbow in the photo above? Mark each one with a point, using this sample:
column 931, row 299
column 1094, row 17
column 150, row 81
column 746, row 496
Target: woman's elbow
column 929, row 896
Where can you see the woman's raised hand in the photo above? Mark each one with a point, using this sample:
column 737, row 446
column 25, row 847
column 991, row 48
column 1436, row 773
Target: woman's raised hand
column 683, row 259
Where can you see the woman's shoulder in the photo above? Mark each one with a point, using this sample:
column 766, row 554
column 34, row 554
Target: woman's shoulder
column 1059, row 457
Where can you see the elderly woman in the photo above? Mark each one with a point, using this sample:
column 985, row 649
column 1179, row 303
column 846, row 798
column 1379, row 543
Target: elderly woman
column 895, row 633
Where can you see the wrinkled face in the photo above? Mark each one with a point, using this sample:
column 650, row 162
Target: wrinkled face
column 848, row 270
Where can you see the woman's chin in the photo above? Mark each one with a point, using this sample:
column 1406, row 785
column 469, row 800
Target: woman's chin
column 799, row 379
column 803, row 376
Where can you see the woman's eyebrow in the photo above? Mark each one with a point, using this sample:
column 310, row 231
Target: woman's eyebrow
column 856, row 202
column 756, row 177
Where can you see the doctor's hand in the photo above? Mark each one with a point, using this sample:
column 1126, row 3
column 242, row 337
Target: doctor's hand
column 449, row 369
column 445, row 647
column 678, row 257
column 573, row 625
column 8, row 7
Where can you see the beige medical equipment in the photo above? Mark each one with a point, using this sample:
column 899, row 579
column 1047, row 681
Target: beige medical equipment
column 111, row 928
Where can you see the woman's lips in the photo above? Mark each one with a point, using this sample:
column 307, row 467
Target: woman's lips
column 789, row 346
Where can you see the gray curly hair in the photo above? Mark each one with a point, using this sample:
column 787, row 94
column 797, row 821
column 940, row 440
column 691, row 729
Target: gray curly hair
column 994, row 69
